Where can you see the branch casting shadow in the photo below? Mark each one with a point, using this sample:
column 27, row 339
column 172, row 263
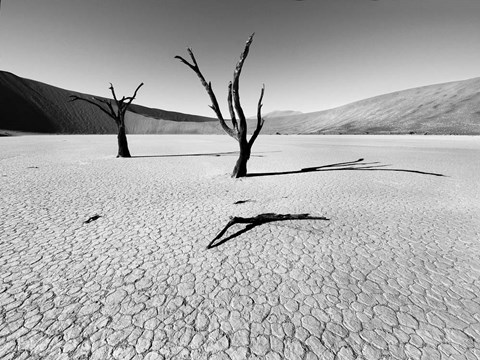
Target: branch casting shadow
column 349, row 165
column 255, row 221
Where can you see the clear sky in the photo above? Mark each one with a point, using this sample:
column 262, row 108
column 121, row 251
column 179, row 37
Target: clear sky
column 311, row 54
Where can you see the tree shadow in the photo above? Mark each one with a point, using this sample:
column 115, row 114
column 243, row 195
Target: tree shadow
column 349, row 165
column 256, row 221
column 187, row 155
column 229, row 153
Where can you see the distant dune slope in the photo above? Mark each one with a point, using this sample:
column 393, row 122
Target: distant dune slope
column 279, row 113
column 450, row 108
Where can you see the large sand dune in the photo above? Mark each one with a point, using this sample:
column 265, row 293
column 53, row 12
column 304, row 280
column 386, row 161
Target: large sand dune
column 392, row 274
column 35, row 107
column 452, row 108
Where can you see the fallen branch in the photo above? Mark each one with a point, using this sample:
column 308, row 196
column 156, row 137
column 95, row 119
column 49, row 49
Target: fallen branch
column 258, row 220
column 92, row 218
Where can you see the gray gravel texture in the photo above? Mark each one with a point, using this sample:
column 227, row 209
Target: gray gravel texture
column 393, row 274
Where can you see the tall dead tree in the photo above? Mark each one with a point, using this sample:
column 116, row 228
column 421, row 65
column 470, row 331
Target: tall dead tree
column 116, row 112
column 239, row 124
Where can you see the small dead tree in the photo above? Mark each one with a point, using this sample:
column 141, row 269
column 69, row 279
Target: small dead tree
column 117, row 113
column 239, row 123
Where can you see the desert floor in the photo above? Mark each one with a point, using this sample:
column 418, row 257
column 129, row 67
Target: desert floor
column 393, row 273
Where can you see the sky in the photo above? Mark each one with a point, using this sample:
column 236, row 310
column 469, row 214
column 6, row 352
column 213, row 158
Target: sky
column 311, row 55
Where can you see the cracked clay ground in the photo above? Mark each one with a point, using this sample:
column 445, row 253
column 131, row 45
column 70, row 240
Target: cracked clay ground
column 392, row 274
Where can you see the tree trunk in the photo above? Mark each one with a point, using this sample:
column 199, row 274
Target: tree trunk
column 122, row 143
column 240, row 169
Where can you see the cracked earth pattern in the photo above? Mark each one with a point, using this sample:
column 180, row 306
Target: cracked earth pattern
column 393, row 274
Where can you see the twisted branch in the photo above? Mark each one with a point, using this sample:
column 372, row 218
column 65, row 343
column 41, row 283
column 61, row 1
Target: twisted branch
column 208, row 87
column 131, row 98
column 113, row 93
column 260, row 120
column 236, row 84
column 230, row 107
column 75, row 98
column 121, row 105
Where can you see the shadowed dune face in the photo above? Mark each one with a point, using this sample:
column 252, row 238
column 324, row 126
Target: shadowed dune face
column 451, row 108
column 31, row 106
column 34, row 107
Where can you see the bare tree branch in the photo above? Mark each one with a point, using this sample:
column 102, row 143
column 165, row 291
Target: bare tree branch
column 260, row 120
column 236, row 83
column 193, row 66
column 113, row 93
column 123, row 107
column 230, row 107
column 114, row 114
column 75, row 98
column 130, row 99
column 211, row 94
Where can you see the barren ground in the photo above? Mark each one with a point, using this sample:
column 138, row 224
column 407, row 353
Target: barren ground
column 393, row 273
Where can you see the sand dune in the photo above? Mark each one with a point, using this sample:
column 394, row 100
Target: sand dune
column 279, row 113
column 32, row 106
column 451, row 108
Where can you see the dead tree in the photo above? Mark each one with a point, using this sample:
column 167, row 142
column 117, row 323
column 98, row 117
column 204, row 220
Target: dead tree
column 239, row 124
column 116, row 112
